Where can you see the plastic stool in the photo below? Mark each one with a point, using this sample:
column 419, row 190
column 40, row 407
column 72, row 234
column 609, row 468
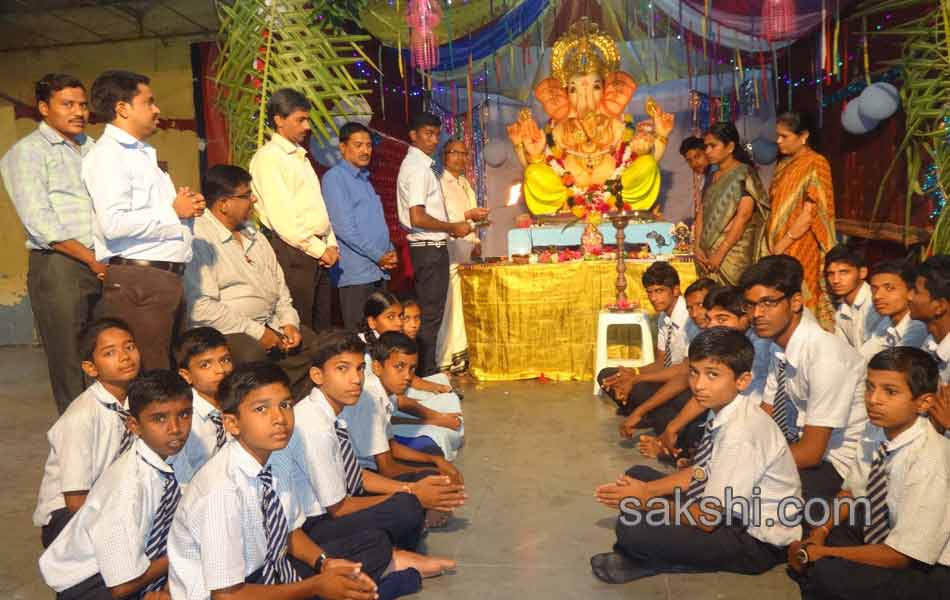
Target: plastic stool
column 608, row 319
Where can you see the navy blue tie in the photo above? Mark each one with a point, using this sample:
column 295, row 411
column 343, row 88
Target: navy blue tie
column 351, row 466
column 277, row 567
column 878, row 526
column 127, row 436
column 157, row 542
column 697, row 483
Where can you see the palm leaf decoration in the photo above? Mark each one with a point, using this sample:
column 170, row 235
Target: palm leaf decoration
column 925, row 95
column 266, row 45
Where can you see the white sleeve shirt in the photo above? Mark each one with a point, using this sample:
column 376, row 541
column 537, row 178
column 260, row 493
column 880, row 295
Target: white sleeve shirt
column 370, row 421
column 417, row 185
column 316, row 450
column 217, row 537
column 886, row 334
column 133, row 201
column 108, row 534
column 203, row 440
column 825, row 379
column 749, row 453
column 679, row 344
column 918, row 485
column 760, row 366
column 83, row 442
column 941, row 354
column 855, row 322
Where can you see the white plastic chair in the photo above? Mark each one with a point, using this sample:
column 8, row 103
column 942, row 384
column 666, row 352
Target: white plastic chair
column 608, row 319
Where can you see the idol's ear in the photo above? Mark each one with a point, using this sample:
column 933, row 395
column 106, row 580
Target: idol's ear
column 619, row 88
column 553, row 98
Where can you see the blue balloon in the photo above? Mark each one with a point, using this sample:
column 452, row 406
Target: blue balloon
column 853, row 121
column 877, row 103
column 764, row 151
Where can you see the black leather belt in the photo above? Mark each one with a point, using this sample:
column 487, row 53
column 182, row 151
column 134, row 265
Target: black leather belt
column 174, row 267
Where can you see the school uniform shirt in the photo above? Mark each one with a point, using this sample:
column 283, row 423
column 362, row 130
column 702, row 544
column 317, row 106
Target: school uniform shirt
column 133, row 201
column 674, row 325
column 417, row 185
column 315, row 449
column 370, row 421
column 855, row 322
column 824, row 378
column 83, row 442
column 217, row 537
column 918, row 485
column 203, row 440
column 289, row 199
column 941, row 354
column 907, row 332
column 750, row 452
column 692, row 330
column 108, row 534
column 760, row 366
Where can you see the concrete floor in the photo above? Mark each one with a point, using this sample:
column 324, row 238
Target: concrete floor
column 533, row 455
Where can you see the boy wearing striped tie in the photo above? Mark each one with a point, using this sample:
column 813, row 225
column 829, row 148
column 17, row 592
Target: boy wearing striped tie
column 236, row 533
column 742, row 458
column 115, row 546
column 815, row 385
column 899, row 545
column 203, row 360
column 92, row 432
column 349, row 498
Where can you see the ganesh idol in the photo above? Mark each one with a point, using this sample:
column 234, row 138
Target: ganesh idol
column 589, row 157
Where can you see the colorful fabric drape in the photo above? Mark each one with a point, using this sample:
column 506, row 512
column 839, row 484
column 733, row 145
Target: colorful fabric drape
column 720, row 203
column 806, row 176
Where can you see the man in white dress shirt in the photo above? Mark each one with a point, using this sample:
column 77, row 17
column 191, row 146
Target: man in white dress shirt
column 855, row 316
column 422, row 213
column 292, row 210
column 142, row 226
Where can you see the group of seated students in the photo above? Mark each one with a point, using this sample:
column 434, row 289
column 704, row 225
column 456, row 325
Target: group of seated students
column 214, row 481
column 786, row 443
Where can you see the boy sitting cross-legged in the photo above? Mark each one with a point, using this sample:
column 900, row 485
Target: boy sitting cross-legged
column 236, row 533
column 899, row 546
column 742, row 454
column 115, row 545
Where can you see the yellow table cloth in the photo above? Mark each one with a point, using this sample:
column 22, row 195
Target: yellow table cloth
column 525, row 320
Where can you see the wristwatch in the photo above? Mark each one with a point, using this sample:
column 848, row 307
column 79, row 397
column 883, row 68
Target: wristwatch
column 318, row 564
column 802, row 554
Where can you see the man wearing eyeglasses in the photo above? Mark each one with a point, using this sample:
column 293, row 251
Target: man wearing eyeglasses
column 815, row 386
column 235, row 284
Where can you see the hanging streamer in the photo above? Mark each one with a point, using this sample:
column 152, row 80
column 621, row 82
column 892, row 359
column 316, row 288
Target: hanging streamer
column 382, row 85
column 867, row 62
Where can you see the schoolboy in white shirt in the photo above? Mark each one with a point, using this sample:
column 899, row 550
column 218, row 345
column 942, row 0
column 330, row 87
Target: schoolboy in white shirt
column 815, row 386
column 892, row 284
column 855, row 316
column 236, row 533
column 115, row 546
column 930, row 303
column 900, row 545
column 92, row 432
column 204, row 360
column 742, row 455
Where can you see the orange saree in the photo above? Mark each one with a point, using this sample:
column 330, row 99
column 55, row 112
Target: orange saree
column 806, row 176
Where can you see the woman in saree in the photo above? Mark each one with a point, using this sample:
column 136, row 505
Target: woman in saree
column 802, row 224
column 731, row 225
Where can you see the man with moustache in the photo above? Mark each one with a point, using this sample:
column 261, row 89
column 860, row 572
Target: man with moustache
column 41, row 173
column 143, row 225
column 356, row 213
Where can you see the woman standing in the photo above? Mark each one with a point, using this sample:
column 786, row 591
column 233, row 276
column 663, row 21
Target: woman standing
column 803, row 210
column 731, row 226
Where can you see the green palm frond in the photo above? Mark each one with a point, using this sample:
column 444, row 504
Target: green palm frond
column 267, row 45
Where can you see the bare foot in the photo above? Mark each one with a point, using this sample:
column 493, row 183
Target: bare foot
column 428, row 566
column 651, row 447
column 436, row 519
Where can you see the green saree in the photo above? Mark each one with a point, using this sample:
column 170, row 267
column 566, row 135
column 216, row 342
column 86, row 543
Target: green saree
column 720, row 203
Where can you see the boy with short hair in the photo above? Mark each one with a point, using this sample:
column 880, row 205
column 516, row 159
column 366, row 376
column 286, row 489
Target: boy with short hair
column 742, row 454
column 115, row 547
column 92, row 432
column 892, row 283
column 349, row 498
column 662, row 284
column 815, row 386
column 204, row 360
column 901, row 546
column 855, row 316
column 930, row 303
column 236, row 532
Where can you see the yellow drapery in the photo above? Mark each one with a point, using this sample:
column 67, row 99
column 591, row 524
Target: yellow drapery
column 525, row 320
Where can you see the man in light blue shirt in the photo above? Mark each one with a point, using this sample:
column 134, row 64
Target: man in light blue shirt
column 41, row 174
column 356, row 213
column 143, row 227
